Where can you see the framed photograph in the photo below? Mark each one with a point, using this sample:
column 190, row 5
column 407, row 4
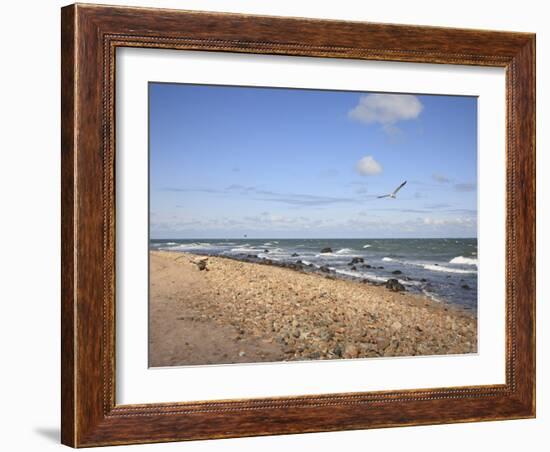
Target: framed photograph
column 281, row 225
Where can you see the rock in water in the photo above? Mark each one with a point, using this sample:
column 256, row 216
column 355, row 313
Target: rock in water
column 325, row 269
column 326, row 250
column 294, row 255
column 466, row 286
column 394, row 285
column 397, row 272
column 357, row 260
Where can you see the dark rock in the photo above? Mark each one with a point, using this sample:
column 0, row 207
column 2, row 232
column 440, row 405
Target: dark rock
column 294, row 255
column 466, row 286
column 397, row 272
column 299, row 262
column 325, row 269
column 381, row 268
column 423, row 280
column 357, row 260
column 353, row 267
column 338, row 350
column 394, row 285
column 366, row 266
column 326, row 250
column 201, row 265
column 266, row 251
column 252, row 256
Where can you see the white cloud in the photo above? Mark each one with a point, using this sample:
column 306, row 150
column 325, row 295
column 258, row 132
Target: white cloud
column 466, row 221
column 367, row 166
column 386, row 109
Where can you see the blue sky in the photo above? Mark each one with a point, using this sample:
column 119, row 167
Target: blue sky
column 289, row 163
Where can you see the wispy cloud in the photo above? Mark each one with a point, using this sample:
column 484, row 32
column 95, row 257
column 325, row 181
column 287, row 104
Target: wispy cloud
column 368, row 166
column 442, row 179
column 437, row 206
column 386, row 109
column 465, row 187
column 259, row 194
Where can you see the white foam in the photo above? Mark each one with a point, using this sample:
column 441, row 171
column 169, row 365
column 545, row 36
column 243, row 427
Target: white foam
column 367, row 246
column 441, row 268
column 463, row 260
column 387, row 259
column 344, row 251
column 244, row 249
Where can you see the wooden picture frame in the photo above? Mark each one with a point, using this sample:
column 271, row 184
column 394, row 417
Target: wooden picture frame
column 90, row 36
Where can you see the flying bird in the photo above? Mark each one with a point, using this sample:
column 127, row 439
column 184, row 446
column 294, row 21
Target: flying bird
column 392, row 194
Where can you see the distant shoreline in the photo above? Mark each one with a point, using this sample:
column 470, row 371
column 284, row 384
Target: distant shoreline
column 237, row 311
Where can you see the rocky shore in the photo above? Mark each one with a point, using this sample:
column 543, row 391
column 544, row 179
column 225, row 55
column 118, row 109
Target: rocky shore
column 215, row 310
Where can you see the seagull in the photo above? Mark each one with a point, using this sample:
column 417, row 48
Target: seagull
column 392, row 194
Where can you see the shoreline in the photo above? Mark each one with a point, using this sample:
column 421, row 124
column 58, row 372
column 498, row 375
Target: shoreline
column 218, row 310
column 330, row 273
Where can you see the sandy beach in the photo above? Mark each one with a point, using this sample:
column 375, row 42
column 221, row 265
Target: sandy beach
column 216, row 310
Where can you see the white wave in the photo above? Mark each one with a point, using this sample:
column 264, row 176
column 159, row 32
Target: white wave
column 463, row 260
column 188, row 246
column 441, row 268
column 244, row 249
column 431, row 295
column 387, row 259
column 330, row 255
column 307, row 262
column 344, row 251
column 367, row 246
column 170, row 243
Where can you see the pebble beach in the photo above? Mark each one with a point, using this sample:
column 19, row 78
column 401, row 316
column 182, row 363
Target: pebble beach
column 218, row 310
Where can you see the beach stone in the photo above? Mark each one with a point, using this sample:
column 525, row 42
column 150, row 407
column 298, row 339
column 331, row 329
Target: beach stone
column 325, row 269
column 382, row 342
column 397, row 272
column 351, row 351
column 357, row 260
column 338, row 350
column 394, row 285
column 326, row 250
column 201, row 265
column 396, row 326
column 353, row 267
column 242, row 353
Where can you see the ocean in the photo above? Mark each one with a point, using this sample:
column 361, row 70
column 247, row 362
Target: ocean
column 443, row 269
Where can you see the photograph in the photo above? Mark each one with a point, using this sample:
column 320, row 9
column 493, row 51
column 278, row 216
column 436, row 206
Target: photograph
column 294, row 224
